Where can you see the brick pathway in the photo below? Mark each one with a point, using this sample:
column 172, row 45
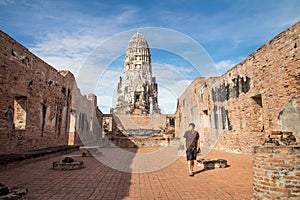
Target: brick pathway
column 97, row 181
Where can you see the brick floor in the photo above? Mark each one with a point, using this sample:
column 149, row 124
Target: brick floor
column 98, row 181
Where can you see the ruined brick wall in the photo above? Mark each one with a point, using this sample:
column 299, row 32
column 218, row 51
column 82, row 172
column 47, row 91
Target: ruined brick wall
column 146, row 121
column 255, row 97
column 86, row 123
column 36, row 100
column 276, row 172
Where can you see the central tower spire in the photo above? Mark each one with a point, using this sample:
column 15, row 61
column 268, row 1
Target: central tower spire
column 138, row 54
column 137, row 89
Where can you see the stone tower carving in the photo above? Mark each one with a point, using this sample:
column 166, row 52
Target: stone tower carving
column 137, row 89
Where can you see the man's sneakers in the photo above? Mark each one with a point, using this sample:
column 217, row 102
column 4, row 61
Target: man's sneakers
column 191, row 173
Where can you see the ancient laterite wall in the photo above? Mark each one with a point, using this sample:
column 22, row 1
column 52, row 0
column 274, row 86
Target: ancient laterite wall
column 255, row 97
column 36, row 101
column 276, row 172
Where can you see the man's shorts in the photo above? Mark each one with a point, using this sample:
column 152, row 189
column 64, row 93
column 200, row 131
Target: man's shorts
column 191, row 153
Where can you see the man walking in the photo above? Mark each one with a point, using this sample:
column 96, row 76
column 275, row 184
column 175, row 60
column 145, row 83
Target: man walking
column 191, row 137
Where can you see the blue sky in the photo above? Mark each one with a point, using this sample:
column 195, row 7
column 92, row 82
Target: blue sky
column 63, row 33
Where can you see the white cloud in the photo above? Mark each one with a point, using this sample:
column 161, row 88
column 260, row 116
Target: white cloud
column 106, row 89
column 173, row 68
column 66, row 50
column 172, row 81
column 168, row 95
column 169, row 76
column 224, row 65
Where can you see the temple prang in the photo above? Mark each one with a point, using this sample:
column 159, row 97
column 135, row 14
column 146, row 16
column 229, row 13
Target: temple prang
column 137, row 89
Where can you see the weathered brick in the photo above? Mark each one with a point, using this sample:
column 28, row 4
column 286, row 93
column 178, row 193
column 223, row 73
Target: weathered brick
column 275, row 177
column 282, row 165
column 268, row 183
column 259, row 163
column 289, row 186
column 269, row 167
column 290, row 157
column 284, row 151
column 291, row 177
column 295, row 161
column 295, row 195
column 295, row 190
column 274, row 160
column 283, row 190
column 261, row 155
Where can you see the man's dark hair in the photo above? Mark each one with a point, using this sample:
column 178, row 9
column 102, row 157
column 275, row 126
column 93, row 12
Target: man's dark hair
column 192, row 124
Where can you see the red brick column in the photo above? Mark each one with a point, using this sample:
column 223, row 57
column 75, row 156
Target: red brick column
column 276, row 172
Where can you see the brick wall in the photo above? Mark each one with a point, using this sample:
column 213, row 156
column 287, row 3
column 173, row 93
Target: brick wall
column 37, row 102
column 276, row 172
column 253, row 98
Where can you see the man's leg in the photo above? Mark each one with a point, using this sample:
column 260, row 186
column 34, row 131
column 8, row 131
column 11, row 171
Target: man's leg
column 190, row 161
column 191, row 165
